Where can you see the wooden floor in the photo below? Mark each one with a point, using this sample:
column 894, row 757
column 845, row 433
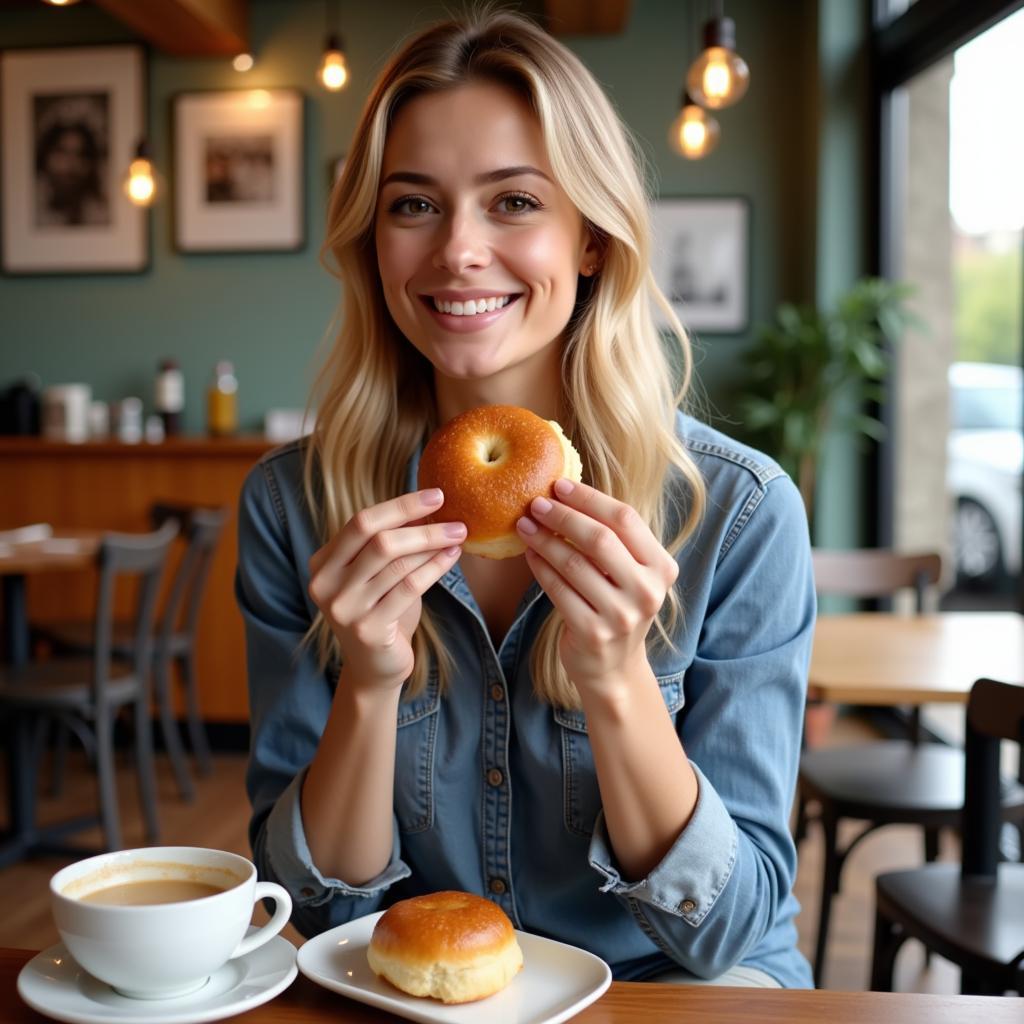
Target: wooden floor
column 219, row 814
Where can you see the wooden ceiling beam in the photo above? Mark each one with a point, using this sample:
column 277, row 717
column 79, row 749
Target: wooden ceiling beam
column 586, row 17
column 186, row 28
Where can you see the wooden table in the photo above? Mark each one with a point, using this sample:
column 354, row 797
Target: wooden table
column 624, row 1003
column 66, row 549
column 883, row 659
column 107, row 485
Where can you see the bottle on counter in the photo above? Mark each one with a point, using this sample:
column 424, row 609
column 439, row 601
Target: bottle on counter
column 222, row 401
column 126, row 420
column 169, row 396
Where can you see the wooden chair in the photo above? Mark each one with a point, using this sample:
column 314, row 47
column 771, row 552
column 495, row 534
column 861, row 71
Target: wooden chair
column 971, row 913
column 886, row 782
column 175, row 641
column 86, row 694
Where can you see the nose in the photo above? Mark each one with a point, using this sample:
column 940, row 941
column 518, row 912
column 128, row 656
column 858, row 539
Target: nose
column 463, row 244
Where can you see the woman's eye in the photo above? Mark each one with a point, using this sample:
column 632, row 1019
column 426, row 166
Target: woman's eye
column 411, row 205
column 518, row 203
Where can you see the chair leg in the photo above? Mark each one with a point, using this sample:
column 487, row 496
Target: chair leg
column 60, row 759
column 973, row 984
column 800, row 828
column 144, row 767
column 888, row 939
column 931, row 853
column 106, row 777
column 21, row 778
column 169, row 728
column 829, row 886
column 196, row 732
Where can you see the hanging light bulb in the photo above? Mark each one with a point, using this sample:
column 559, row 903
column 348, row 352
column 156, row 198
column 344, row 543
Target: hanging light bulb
column 694, row 133
column 140, row 184
column 333, row 72
column 243, row 62
column 61, row 3
column 719, row 76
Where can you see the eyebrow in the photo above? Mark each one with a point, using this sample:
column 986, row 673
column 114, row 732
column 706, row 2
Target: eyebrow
column 487, row 178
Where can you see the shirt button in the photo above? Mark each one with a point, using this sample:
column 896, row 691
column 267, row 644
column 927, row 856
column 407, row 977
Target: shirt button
column 689, row 906
column 306, row 891
column 497, row 886
column 494, row 777
column 497, row 692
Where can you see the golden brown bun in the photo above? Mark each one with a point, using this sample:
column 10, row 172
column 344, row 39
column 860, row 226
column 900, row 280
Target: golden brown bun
column 491, row 462
column 451, row 946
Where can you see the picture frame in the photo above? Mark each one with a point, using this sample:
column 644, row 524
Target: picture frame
column 72, row 118
column 238, row 171
column 701, row 261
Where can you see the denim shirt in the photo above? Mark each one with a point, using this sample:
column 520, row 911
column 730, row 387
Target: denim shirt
column 496, row 793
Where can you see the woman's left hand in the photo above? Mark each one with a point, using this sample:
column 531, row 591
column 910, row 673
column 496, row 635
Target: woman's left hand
column 605, row 572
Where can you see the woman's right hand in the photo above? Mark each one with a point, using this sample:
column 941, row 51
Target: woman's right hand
column 368, row 581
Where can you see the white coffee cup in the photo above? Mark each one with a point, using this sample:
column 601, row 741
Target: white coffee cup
column 161, row 950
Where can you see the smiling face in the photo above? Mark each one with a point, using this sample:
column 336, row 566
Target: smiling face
column 479, row 249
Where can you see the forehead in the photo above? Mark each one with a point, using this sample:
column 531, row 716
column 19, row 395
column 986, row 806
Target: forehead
column 472, row 127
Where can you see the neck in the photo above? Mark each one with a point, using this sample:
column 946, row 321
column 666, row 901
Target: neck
column 534, row 384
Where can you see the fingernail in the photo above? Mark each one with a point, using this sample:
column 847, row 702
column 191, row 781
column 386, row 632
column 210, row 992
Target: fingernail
column 432, row 497
column 452, row 552
column 564, row 487
column 541, row 505
column 454, row 530
column 527, row 525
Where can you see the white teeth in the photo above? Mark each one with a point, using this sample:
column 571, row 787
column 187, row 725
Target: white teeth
column 472, row 306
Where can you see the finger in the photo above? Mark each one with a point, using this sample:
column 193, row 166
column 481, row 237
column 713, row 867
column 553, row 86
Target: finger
column 414, row 585
column 619, row 517
column 355, row 603
column 572, row 565
column 574, row 609
column 386, row 547
column 327, row 563
column 601, row 544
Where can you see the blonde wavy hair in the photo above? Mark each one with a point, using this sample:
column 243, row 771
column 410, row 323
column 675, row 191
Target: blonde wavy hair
column 374, row 395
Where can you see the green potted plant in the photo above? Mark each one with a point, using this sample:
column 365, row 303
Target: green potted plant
column 811, row 371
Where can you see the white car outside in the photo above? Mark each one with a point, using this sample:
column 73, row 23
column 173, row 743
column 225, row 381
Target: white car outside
column 983, row 476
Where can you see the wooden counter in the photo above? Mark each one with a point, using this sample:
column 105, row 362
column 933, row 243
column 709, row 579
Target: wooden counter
column 110, row 486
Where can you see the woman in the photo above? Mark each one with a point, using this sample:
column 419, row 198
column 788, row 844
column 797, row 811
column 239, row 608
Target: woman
column 601, row 735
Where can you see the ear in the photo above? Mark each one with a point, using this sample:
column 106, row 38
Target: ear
column 592, row 255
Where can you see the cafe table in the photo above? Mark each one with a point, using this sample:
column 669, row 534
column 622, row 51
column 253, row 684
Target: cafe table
column 64, row 550
column 878, row 658
column 624, row 1003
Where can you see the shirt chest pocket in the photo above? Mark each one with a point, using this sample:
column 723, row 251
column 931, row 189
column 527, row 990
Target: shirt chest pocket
column 414, row 758
column 581, row 798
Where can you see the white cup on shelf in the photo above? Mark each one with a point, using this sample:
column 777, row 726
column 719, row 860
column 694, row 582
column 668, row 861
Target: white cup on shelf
column 65, row 412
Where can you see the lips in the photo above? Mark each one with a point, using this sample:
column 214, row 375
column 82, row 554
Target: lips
column 461, row 323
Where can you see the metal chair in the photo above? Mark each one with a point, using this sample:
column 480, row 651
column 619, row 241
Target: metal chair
column 971, row 913
column 175, row 641
column 886, row 782
column 86, row 694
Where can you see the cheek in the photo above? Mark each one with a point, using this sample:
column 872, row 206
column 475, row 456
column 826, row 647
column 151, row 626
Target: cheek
column 549, row 259
column 396, row 264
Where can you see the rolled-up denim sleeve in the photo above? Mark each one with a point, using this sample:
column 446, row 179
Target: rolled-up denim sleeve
column 289, row 701
column 716, row 893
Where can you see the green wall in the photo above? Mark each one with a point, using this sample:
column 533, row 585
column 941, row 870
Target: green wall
column 780, row 148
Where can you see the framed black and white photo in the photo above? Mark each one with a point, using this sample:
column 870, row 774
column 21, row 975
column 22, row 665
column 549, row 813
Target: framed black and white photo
column 238, row 171
column 701, row 261
column 72, row 119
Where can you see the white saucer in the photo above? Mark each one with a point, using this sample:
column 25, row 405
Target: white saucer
column 556, row 982
column 52, row 983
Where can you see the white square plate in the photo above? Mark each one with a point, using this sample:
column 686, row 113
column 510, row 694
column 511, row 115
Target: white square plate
column 556, row 982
